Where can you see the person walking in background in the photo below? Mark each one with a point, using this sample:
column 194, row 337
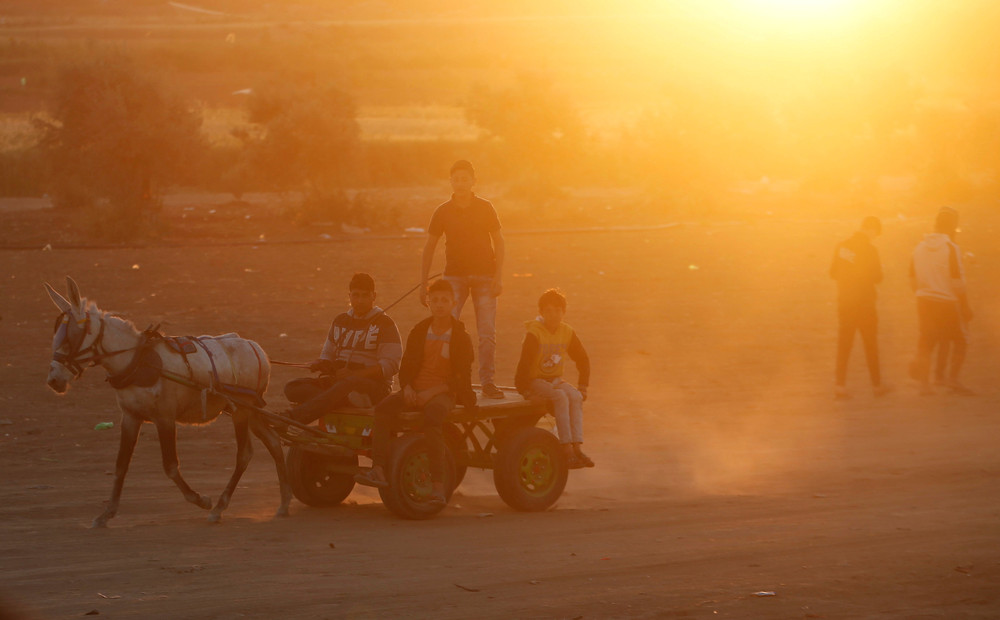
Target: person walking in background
column 474, row 253
column 943, row 311
column 857, row 269
column 941, row 376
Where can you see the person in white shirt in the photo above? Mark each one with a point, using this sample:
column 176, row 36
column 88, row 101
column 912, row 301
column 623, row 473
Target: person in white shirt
column 943, row 311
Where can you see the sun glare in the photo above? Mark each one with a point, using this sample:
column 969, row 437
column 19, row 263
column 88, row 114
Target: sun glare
column 796, row 13
column 798, row 9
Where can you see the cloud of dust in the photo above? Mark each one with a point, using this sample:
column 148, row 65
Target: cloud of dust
column 727, row 387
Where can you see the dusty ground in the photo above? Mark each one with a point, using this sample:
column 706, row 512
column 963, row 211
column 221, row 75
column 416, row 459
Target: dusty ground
column 725, row 468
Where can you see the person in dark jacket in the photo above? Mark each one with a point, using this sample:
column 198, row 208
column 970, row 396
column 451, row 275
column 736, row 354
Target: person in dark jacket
column 857, row 269
column 434, row 375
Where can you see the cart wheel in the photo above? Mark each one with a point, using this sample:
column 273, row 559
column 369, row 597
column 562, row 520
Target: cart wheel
column 317, row 479
column 410, row 479
column 530, row 472
column 459, row 451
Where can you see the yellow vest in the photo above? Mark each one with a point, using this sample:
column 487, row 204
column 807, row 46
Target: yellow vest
column 552, row 347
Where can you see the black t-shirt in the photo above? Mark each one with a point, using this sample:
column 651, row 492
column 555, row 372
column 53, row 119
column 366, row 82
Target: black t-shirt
column 468, row 246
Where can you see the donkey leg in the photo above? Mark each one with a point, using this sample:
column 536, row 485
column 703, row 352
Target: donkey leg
column 130, row 434
column 271, row 441
column 167, row 431
column 244, row 452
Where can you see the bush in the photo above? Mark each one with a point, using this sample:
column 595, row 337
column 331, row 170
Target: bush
column 538, row 129
column 117, row 139
column 22, row 173
column 360, row 210
column 308, row 140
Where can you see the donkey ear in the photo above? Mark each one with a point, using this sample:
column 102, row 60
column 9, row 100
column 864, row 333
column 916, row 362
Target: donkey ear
column 74, row 292
column 58, row 299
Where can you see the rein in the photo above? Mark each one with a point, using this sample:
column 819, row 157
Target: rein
column 384, row 310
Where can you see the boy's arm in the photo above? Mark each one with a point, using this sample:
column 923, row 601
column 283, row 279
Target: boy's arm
column 529, row 349
column 425, row 265
column 389, row 349
column 409, row 365
column 835, row 264
column 498, row 253
column 877, row 274
column 328, row 356
column 958, row 282
column 579, row 355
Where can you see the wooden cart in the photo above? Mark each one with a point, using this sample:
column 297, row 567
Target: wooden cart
column 529, row 466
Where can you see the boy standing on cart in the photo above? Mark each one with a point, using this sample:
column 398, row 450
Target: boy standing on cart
column 546, row 345
column 435, row 374
column 361, row 354
column 474, row 253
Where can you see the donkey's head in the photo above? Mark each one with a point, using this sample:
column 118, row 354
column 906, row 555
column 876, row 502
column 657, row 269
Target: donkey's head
column 73, row 336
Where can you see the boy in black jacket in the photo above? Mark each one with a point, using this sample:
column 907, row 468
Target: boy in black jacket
column 435, row 374
column 857, row 270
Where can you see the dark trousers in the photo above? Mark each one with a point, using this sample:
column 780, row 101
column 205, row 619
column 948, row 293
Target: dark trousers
column 864, row 320
column 318, row 395
column 941, row 325
column 941, row 370
column 435, row 411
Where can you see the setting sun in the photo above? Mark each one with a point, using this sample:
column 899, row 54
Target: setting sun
column 798, row 9
column 798, row 15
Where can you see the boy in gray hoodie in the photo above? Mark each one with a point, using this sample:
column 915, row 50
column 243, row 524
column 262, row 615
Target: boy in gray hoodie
column 943, row 312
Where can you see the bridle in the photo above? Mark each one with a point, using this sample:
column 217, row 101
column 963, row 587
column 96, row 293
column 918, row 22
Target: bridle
column 74, row 360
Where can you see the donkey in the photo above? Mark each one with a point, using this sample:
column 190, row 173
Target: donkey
column 165, row 381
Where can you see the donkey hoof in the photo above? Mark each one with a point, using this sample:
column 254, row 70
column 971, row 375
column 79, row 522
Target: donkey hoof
column 98, row 523
column 204, row 502
column 282, row 512
column 215, row 517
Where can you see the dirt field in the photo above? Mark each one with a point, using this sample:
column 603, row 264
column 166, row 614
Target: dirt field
column 725, row 467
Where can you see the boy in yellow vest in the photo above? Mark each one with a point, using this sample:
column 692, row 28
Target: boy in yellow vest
column 546, row 345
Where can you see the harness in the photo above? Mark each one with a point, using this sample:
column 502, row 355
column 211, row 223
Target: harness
column 72, row 360
column 146, row 366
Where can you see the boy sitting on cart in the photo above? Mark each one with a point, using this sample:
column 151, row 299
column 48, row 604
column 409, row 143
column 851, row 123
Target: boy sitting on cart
column 539, row 372
column 361, row 354
column 435, row 374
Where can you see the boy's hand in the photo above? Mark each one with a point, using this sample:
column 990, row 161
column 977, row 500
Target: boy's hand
column 320, row 365
column 583, row 391
column 423, row 295
column 496, row 287
column 410, row 396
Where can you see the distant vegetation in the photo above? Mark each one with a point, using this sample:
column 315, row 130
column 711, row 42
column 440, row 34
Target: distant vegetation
column 682, row 104
column 115, row 137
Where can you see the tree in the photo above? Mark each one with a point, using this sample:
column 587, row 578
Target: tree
column 116, row 138
column 539, row 130
column 308, row 140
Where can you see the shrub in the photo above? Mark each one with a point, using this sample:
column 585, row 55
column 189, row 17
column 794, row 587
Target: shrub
column 308, row 140
column 117, row 138
column 538, row 129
